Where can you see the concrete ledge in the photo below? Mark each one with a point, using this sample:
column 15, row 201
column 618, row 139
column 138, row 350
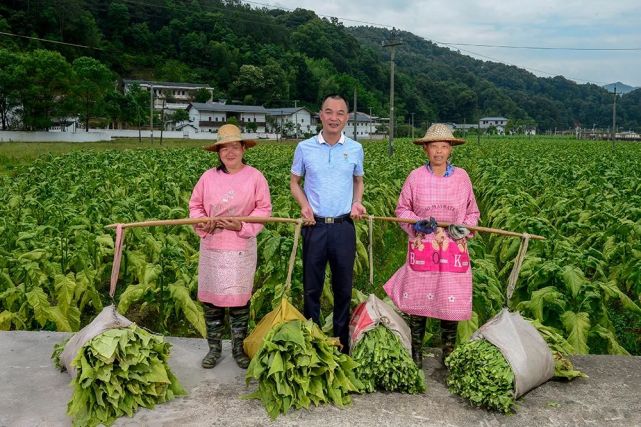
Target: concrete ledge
column 34, row 393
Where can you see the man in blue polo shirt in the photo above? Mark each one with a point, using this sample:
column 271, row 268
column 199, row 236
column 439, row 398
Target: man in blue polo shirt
column 331, row 195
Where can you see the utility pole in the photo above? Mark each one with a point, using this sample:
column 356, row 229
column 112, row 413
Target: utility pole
column 296, row 117
column 392, row 45
column 355, row 115
column 412, row 126
column 151, row 112
column 614, row 116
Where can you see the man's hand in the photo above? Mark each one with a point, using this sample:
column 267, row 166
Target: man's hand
column 308, row 215
column 358, row 210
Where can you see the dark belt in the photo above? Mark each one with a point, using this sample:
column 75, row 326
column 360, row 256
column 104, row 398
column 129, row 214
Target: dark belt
column 332, row 220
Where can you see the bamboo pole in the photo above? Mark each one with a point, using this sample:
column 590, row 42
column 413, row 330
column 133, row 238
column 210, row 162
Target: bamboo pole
column 263, row 220
column 471, row 228
column 189, row 221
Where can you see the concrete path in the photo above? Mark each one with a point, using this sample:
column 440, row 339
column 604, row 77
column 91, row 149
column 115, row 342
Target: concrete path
column 33, row 393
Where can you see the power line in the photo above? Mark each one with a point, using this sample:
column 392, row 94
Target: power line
column 48, row 41
column 601, row 49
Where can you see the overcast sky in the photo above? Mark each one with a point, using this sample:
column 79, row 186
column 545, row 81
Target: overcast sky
column 538, row 23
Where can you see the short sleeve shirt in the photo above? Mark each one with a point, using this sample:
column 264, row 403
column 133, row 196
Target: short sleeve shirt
column 328, row 172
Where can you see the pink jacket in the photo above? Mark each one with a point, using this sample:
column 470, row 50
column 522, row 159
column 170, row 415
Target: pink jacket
column 244, row 193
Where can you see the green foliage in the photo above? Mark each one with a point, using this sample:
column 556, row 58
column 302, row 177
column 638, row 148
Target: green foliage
column 268, row 56
column 479, row 373
column 118, row 372
column 297, row 366
column 385, row 363
column 584, row 280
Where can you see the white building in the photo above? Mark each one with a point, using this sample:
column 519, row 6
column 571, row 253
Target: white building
column 498, row 122
column 365, row 126
column 299, row 117
column 174, row 96
column 209, row 116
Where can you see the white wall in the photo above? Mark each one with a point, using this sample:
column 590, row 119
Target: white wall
column 18, row 136
column 95, row 135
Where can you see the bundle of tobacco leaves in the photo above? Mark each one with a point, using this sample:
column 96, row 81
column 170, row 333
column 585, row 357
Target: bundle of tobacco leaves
column 385, row 364
column 479, row 372
column 563, row 367
column 298, row 365
column 119, row 371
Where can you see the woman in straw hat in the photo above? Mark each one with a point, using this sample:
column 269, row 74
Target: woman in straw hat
column 436, row 279
column 228, row 247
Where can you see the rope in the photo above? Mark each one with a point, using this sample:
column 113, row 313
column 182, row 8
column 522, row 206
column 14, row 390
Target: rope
column 115, row 269
column 292, row 257
column 370, row 249
column 518, row 263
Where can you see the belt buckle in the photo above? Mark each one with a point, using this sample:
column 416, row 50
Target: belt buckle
column 329, row 220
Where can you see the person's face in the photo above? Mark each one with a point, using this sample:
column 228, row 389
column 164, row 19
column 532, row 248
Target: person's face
column 334, row 116
column 231, row 154
column 438, row 152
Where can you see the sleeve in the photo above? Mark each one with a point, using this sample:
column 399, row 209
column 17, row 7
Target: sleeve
column 298, row 165
column 263, row 208
column 405, row 206
column 197, row 205
column 358, row 169
column 472, row 213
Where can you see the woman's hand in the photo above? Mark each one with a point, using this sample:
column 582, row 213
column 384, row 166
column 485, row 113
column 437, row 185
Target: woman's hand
column 230, row 224
column 208, row 227
column 457, row 232
column 425, row 226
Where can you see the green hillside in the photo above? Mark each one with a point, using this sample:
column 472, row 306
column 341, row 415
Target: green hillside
column 269, row 57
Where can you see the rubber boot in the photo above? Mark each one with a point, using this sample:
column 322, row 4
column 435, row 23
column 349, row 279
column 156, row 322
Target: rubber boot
column 215, row 323
column 238, row 317
column 448, row 337
column 417, row 326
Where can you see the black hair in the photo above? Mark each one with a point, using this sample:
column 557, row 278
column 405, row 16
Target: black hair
column 337, row 96
column 221, row 166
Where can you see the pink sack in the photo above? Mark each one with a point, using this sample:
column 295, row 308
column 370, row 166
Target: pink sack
column 372, row 313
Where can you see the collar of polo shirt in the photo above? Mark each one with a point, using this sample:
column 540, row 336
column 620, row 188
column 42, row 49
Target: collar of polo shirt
column 321, row 140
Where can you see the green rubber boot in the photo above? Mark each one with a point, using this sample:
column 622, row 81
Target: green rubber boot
column 448, row 337
column 417, row 326
column 238, row 317
column 215, row 323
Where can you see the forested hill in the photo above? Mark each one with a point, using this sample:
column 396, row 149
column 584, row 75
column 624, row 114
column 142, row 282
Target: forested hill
column 273, row 57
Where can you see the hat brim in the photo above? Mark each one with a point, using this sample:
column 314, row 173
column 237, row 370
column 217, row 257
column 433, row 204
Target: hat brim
column 249, row 143
column 451, row 141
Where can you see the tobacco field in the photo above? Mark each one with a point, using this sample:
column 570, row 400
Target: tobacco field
column 584, row 280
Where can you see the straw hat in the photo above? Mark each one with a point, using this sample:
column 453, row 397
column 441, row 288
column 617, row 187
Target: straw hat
column 439, row 132
column 229, row 133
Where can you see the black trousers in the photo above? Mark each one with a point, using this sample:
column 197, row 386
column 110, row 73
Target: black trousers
column 336, row 244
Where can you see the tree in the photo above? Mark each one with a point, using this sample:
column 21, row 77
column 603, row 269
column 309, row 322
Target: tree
column 44, row 92
column 92, row 82
column 202, row 95
column 136, row 107
column 10, row 79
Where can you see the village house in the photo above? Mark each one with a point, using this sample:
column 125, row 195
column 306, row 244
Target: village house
column 169, row 95
column 299, row 119
column 209, row 116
